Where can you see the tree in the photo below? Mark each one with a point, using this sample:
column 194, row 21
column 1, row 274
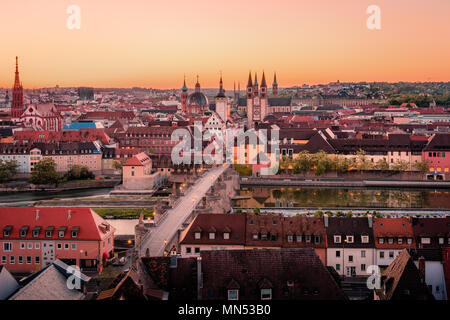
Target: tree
column 422, row 166
column 256, row 211
column 78, row 172
column 382, row 165
column 8, row 169
column 303, row 162
column 400, row 165
column 362, row 162
column 45, row 173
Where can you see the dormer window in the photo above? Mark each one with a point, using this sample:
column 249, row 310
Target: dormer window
column 266, row 294
column 380, row 240
column 390, row 240
column 441, row 240
column 62, row 232
column 349, row 239
column 337, row 239
column 409, row 240
column 212, row 236
column 400, row 240
column 49, row 232
column 364, row 239
column 290, row 238
column 197, row 235
column 425, row 240
column 226, row 235
column 74, row 231
column 7, row 231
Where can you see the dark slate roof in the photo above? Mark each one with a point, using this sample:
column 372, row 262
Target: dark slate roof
column 197, row 98
column 439, row 142
column 296, row 274
column 279, row 101
column 354, row 226
column 234, row 224
column 430, row 254
column 402, row 281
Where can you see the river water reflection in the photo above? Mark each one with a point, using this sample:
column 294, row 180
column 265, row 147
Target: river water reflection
column 339, row 198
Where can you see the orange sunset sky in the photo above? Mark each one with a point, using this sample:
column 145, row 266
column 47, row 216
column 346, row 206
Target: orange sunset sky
column 150, row 43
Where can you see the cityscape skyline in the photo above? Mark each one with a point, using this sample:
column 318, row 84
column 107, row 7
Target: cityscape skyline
column 139, row 46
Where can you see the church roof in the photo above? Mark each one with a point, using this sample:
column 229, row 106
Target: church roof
column 197, row 98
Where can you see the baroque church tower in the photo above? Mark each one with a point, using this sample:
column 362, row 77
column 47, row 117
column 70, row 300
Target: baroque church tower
column 222, row 108
column 17, row 106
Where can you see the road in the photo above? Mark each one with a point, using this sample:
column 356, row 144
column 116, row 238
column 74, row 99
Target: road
column 177, row 215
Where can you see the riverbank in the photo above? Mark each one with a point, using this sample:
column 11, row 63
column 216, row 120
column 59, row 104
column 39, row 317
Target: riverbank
column 337, row 183
column 99, row 203
column 23, row 186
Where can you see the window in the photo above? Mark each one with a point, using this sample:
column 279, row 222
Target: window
column 391, row 254
column 400, row 240
column 255, row 236
column 74, row 246
column 23, row 233
column 226, row 235
column 197, row 235
column 337, row 239
column 381, row 254
column 363, row 253
column 212, row 235
column 61, row 234
column 350, row 258
column 290, row 238
column 22, row 245
column 48, row 234
column 66, row 246
column 338, row 267
column 3, row 259
column 409, row 240
column 307, row 238
column 30, row 245
column 338, row 254
column 349, row 239
column 7, row 246
column 441, row 240
column 37, row 245
column 380, row 240
column 37, row 260
column 11, row 260
column 197, row 250
column 425, row 240
column 266, row 294
column 317, row 239
column 59, row 246
column 365, row 239
column 188, row 249
column 74, row 234
column 363, row 267
column 390, row 240
column 28, row 260
column 20, row 260
column 233, row 294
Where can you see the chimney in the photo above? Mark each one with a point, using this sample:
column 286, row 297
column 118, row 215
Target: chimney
column 370, row 220
column 422, row 268
column 325, row 220
column 37, row 215
column 68, row 215
column 199, row 278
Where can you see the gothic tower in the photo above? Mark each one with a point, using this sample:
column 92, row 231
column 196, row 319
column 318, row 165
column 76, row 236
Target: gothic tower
column 264, row 101
column 17, row 95
column 275, row 85
column 184, row 96
column 250, row 101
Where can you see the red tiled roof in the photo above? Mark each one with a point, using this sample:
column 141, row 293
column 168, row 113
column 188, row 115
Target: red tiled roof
column 88, row 222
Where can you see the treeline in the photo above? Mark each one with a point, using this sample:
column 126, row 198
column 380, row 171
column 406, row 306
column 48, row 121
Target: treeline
column 45, row 172
column 321, row 163
column 422, row 101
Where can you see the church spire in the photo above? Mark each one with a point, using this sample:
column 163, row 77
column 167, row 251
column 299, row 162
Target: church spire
column 275, row 85
column 263, row 81
column 17, row 79
column 256, row 80
column 185, row 89
column 197, row 86
column 221, row 93
column 249, row 84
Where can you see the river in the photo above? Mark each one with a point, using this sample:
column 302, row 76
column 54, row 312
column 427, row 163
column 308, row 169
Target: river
column 270, row 197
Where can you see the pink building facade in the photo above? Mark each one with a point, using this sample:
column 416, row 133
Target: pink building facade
column 32, row 238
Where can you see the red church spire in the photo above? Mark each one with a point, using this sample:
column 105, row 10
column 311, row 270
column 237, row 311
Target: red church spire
column 17, row 95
